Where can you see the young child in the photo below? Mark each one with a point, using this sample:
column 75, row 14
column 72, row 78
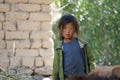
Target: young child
column 71, row 56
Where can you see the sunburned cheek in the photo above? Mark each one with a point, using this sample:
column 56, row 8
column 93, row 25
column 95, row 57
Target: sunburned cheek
column 72, row 34
column 64, row 34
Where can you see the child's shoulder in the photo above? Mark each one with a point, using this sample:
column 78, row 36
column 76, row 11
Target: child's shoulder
column 82, row 42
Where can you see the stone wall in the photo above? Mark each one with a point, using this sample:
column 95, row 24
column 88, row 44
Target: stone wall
column 26, row 35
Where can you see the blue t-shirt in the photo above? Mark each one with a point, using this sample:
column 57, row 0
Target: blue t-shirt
column 73, row 61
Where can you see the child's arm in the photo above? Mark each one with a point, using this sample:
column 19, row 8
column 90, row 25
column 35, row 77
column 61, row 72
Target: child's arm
column 90, row 58
column 55, row 73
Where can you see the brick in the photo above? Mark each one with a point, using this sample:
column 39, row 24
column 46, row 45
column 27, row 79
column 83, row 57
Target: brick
column 28, row 61
column 2, row 17
column 38, row 62
column 45, row 8
column 18, row 44
column 40, row 1
column 4, row 62
column 9, row 26
column 15, row 62
column 1, row 34
column 16, row 16
column 2, row 44
column 26, row 52
column 15, row 1
column 40, row 16
column 48, row 61
column 47, row 44
column 14, row 7
column 3, row 52
column 0, row 26
column 28, row 26
column 1, row 1
column 16, row 35
column 41, row 35
column 4, row 7
column 46, row 52
column 46, row 26
column 36, row 44
column 46, row 35
column 6, row 52
column 29, row 7
column 35, row 35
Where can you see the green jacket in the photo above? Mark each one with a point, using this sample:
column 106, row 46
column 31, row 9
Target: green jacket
column 57, row 73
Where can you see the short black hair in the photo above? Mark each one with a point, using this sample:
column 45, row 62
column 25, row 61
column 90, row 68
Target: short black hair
column 65, row 19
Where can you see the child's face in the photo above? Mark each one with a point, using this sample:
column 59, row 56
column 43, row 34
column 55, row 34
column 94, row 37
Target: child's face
column 68, row 31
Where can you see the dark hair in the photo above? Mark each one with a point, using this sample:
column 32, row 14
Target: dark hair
column 65, row 19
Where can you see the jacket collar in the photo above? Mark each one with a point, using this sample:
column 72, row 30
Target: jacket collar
column 81, row 42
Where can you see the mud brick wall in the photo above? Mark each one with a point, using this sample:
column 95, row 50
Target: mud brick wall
column 25, row 34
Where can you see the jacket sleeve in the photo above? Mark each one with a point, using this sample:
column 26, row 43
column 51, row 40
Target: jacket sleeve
column 90, row 58
column 55, row 72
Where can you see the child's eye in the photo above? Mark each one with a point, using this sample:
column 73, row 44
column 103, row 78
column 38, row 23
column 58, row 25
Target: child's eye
column 65, row 28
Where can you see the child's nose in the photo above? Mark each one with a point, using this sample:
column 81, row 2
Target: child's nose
column 68, row 30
